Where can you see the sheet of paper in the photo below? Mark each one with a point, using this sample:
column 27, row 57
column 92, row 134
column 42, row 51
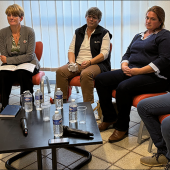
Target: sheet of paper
column 25, row 66
column 8, row 67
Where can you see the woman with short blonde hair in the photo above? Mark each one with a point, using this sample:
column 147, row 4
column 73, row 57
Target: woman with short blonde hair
column 17, row 46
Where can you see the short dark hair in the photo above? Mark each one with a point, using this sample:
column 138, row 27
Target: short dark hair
column 160, row 14
column 94, row 11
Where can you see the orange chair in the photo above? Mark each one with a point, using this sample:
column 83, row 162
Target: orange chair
column 136, row 100
column 161, row 118
column 75, row 81
column 38, row 79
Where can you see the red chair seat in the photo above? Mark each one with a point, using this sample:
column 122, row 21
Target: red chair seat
column 140, row 97
column 75, row 81
column 162, row 117
column 36, row 79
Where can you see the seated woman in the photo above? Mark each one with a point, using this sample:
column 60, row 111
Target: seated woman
column 144, row 69
column 149, row 109
column 89, row 51
column 17, row 45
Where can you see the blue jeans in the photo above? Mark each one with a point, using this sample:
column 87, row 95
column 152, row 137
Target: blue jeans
column 149, row 109
column 126, row 88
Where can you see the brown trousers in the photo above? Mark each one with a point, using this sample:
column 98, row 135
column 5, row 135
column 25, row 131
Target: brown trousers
column 87, row 76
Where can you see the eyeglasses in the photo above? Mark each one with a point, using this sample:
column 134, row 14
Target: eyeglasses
column 92, row 17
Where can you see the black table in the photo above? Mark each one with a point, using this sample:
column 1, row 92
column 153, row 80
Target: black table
column 39, row 132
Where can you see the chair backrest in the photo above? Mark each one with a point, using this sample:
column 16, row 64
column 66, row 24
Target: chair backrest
column 39, row 49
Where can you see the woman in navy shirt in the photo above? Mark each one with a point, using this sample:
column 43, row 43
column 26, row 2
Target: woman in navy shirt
column 145, row 68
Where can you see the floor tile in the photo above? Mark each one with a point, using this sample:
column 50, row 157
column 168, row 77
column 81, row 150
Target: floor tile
column 24, row 161
column 134, row 116
column 114, row 167
column 46, row 164
column 45, row 152
column 129, row 142
column 91, row 148
column 142, row 149
column 135, row 129
column 66, row 157
column 74, row 164
column 131, row 161
column 131, row 124
column 96, row 163
column 52, row 86
column 96, row 97
column 2, row 165
column 3, row 155
column 110, row 152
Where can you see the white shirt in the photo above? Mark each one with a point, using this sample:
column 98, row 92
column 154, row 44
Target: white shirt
column 85, row 52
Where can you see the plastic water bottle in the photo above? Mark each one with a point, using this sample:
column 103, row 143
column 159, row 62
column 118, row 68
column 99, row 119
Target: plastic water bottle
column 73, row 111
column 28, row 101
column 38, row 99
column 57, row 124
column 59, row 99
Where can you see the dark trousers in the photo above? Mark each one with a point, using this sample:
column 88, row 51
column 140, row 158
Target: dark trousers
column 126, row 88
column 149, row 109
column 8, row 78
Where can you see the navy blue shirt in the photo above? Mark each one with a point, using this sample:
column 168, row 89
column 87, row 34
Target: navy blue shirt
column 154, row 49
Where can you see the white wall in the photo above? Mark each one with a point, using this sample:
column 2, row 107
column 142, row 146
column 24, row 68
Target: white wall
column 3, row 7
column 166, row 6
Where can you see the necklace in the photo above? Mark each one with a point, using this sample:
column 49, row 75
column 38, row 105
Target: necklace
column 16, row 36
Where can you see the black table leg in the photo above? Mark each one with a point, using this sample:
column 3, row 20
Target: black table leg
column 54, row 158
column 11, row 160
column 39, row 159
column 82, row 151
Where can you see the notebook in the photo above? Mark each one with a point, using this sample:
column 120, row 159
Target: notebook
column 10, row 111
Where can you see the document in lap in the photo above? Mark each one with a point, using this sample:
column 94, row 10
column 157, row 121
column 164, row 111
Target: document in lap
column 25, row 66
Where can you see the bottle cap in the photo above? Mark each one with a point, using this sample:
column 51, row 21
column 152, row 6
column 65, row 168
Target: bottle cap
column 58, row 88
column 73, row 100
column 56, row 112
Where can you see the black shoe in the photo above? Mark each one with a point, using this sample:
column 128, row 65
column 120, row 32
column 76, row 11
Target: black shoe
column 64, row 100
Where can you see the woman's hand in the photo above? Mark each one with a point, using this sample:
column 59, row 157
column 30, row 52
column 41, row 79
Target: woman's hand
column 135, row 71
column 3, row 58
column 126, row 70
column 85, row 64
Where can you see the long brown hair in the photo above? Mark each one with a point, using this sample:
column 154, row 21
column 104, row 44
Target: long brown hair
column 160, row 14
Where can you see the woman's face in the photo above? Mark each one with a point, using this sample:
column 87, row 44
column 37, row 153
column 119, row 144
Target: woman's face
column 152, row 22
column 14, row 20
column 92, row 21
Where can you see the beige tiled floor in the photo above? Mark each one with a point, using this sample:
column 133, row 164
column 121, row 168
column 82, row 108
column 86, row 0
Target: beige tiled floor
column 124, row 154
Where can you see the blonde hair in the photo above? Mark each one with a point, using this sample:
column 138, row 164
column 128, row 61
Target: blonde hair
column 15, row 10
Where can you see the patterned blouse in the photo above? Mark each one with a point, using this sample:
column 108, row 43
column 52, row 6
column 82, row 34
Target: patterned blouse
column 15, row 48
